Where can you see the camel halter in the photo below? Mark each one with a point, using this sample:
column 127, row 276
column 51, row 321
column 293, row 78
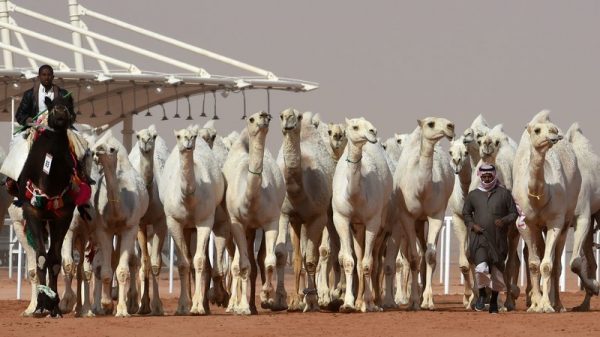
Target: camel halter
column 353, row 162
column 538, row 197
column 257, row 173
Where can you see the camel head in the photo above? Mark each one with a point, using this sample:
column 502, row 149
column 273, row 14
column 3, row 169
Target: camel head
column 459, row 156
column 230, row 139
column 491, row 142
column 436, row 128
column 478, row 129
column 146, row 138
column 186, row 139
column 543, row 135
column 337, row 136
column 105, row 152
column 359, row 131
column 290, row 121
column 258, row 124
column 209, row 135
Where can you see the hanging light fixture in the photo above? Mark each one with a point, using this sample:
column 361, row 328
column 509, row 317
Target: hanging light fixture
column 159, row 90
column 176, row 103
column 164, row 118
column 203, row 102
column 78, row 97
column 147, row 102
column 93, row 115
column 122, row 109
column 189, row 117
column 107, row 106
column 215, row 105
column 244, row 97
column 89, row 87
column 5, row 97
column 16, row 85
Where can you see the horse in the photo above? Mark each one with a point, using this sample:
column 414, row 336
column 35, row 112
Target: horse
column 48, row 186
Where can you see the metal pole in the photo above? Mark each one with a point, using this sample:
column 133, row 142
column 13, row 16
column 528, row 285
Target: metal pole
column 74, row 16
column 171, row 253
column 127, row 132
column 563, row 260
column 442, row 242
column 20, row 272
column 10, row 250
column 447, row 256
column 8, row 59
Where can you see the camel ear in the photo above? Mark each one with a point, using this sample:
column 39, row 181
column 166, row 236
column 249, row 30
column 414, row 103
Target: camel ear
column 347, row 122
column 175, row 133
column 420, row 122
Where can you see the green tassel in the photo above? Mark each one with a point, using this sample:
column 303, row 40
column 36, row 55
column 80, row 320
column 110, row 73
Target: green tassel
column 29, row 236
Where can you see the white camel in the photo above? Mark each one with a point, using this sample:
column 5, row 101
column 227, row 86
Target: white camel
column 255, row 192
column 362, row 186
column 308, row 171
column 121, row 199
column 588, row 205
column 545, row 187
column 393, row 146
column 479, row 128
column 424, row 181
column 191, row 187
column 461, row 164
column 148, row 157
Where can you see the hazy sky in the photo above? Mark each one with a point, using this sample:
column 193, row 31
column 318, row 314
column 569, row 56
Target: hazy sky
column 389, row 61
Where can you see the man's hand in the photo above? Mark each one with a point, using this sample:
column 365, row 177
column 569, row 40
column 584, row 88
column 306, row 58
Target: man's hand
column 28, row 121
column 498, row 222
column 477, row 229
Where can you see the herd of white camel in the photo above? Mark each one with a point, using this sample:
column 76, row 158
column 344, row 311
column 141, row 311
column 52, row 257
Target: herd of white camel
column 363, row 215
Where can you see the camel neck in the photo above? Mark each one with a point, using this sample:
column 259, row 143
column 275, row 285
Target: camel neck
column 474, row 154
column 354, row 164
column 256, row 153
column 112, row 187
column 426, row 155
column 146, row 168
column 464, row 177
column 536, row 186
column 337, row 153
column 187, row 176
column 292, row 158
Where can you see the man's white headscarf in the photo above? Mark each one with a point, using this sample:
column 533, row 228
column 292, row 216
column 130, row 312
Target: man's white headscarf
column 491, row 169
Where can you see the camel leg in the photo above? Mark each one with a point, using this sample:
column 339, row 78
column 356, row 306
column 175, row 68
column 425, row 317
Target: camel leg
column 390, row 268
column 68, row 297
column 270, row 262
column 533, row 239
column 402, row 272
column 158, row 241
column 336, row 277
column 461, row 233
column 106, row 272
column 279, row 302
column 556, row 271
column 552, row 238
column 435, row 224
column 358, row 236
column 250, row 238
column 579, row 260
column 414, row 260
column 142, row 238
column 202, row 236
column 183, row 265
column 31, row 265
column 86, row 266
column 513, row 266
column 296, row 303
column 323, row 269
column 240, row 270
column 123, row 272
column 98, row 283
column 314, row 232
column 368, row 266
column 588, row 250
column 235, row 287
column 222, row 230
column 342, row 226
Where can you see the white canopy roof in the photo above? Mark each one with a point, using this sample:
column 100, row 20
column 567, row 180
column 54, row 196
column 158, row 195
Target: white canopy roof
column 111, row 95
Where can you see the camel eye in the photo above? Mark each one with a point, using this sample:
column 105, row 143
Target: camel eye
column 213, row 137
column 112, row 150
column 355, row 128
column 329, row 132
column 384, row 146
column 399, row 141
column 450, row 153
column 537, row 131
column 431, row 124
column 252, row 119
column 178, row 137
column 154, row 137
column 466, row 153
column 497, row 142
column 300, row 117
column 137, row 136
column 479, row 142
column 281, row 116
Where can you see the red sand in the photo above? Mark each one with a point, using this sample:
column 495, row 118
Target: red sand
column 449, row 319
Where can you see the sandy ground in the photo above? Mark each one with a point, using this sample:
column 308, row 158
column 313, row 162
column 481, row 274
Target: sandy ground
column 449, row 319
